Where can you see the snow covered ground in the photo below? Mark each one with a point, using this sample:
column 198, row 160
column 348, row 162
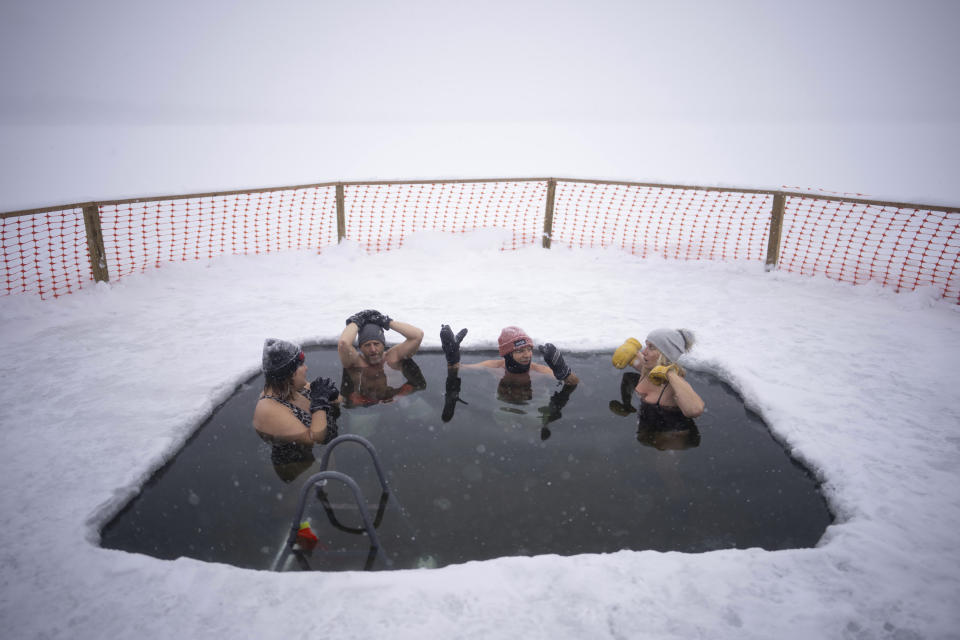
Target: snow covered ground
column 859, row 383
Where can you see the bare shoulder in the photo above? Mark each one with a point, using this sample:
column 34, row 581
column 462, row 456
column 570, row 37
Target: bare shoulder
column 484, row 364
column 265, row 413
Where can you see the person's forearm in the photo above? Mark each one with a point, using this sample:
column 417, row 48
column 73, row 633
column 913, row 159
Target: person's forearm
column 407, row 330
column 345, row 344
column 318, row 426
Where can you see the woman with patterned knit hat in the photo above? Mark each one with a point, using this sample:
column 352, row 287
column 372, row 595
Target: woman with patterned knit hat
column 289, row 410
column 662, row 383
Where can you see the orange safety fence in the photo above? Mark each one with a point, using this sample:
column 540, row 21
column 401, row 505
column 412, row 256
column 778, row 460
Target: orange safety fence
column 667, row 222
column 379, row 216
column 46, row 251
column 901, row 247
column 140, row 235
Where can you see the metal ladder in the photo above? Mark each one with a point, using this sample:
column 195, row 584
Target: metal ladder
column 321, row 478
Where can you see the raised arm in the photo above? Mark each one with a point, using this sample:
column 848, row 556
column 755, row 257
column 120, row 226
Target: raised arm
column 413, row 336
column 688, row 400
column 349, row 356
column 556, row 365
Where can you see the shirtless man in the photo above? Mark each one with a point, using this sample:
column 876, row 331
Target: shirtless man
column 365, row 378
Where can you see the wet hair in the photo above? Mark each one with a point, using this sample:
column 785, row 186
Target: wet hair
column 281, row 382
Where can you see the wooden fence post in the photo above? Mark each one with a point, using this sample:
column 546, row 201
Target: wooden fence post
column 98, row 255
column 341, row 215
column 776, row 225
column 548, row 213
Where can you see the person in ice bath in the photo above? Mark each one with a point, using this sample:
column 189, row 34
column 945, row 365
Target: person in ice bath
column 366, row 360
column 668, row 403
column 516, row 361
column 290, row 414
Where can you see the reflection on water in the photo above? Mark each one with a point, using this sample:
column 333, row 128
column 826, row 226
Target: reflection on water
column 480, row 467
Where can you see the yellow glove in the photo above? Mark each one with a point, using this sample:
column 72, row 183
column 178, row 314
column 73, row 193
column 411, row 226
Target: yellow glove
column 658, row 375
column 626, row 352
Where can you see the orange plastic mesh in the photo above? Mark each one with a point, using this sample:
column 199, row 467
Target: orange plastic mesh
column 380, row 216
column 45, row 253
column 147, row 234
column 901, row 248
column 672, row 223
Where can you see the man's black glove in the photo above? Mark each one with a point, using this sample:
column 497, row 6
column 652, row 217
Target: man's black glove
column 322, row 393
column 363, row 317
column 451, row 343
column 452, row 396
column 554, row 360
column 412, row 373
column 380, row 319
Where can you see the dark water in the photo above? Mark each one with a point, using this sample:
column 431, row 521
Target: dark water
column 497, row 479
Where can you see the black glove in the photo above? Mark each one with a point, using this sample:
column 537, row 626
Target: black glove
column 362, row 317
column 558, row 401
column 452, row 396
column 332, row 431
column 380, row 319
column 624, row 406
column 621, row 409
column 412, row 374
column 554, row 360
column 451, row 343
column 322, row 392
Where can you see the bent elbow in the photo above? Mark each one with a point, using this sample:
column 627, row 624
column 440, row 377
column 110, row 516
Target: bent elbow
column 694, row 412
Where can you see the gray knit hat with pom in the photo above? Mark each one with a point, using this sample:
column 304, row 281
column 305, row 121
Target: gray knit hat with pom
column 279, row 354
column 672, row 343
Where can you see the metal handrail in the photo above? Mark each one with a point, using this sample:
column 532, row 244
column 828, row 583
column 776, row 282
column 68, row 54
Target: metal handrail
column 349, row 437
column 323, row 476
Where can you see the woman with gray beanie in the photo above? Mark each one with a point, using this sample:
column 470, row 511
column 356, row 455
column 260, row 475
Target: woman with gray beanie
column 662, row 381
column 289, row 410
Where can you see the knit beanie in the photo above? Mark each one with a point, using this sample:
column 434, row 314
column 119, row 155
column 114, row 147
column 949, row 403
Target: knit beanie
column 278, row 355
column 672, row 343
column 368, row 332
column 512, row 338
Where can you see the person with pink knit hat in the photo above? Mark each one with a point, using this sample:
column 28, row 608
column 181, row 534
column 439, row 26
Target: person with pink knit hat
column 516, row 350
column 515, row 347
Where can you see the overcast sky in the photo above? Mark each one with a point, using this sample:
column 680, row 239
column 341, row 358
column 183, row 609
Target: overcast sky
column 105, row 99
column 374, row 60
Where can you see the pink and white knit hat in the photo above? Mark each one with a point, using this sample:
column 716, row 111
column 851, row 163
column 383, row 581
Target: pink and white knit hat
column 512, row 338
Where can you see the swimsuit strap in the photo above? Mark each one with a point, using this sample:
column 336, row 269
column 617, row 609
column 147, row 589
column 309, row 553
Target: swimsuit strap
column 661, row 395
